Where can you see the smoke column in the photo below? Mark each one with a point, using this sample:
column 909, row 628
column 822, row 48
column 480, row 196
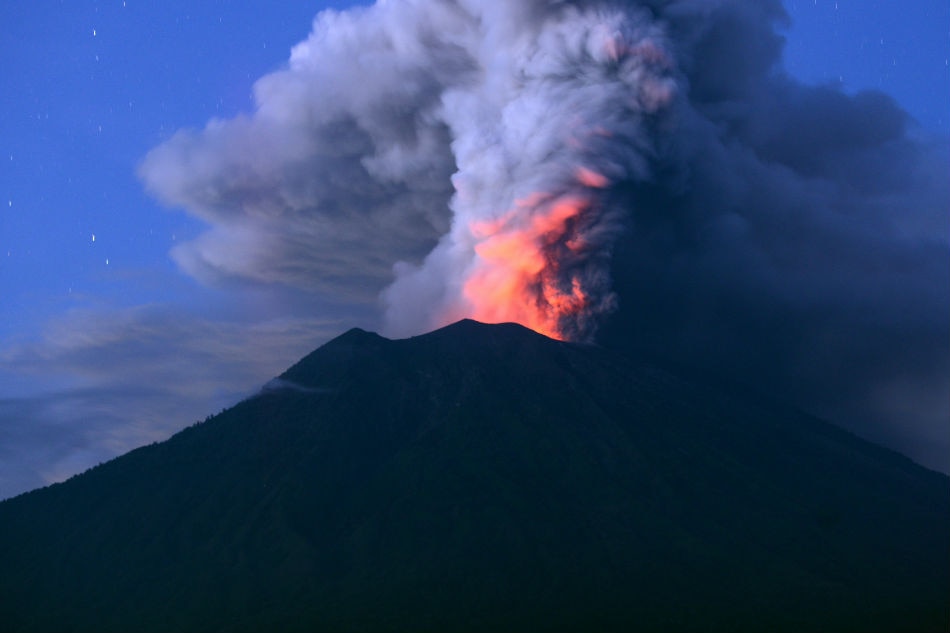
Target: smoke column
column 531, row 232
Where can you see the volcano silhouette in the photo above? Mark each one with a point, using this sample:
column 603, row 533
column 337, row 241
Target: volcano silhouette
column 484, row 477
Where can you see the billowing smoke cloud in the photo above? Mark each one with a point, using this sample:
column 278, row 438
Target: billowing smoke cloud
column 491, row 125
column 533, row 140
column 641, row 172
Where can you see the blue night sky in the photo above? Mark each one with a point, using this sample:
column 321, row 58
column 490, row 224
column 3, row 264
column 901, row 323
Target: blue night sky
column 105, row 343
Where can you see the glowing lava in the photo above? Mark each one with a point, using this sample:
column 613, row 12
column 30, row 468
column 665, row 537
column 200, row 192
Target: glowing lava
column 527, row 269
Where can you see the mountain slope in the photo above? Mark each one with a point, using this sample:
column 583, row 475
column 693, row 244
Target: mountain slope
column 485, row 477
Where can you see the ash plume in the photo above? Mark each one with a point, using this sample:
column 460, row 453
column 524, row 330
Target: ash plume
column 640, row 173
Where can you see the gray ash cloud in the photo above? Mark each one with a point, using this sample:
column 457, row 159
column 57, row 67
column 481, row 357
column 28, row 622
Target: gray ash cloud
column 787, row 236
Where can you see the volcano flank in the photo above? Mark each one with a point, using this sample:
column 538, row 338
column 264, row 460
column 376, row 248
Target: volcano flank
column 485, row 477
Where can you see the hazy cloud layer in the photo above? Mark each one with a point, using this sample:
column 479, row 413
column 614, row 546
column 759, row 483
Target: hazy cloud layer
column 130, row 378
column 787, row 236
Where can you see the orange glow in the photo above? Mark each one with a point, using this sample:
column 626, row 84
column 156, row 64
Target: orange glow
column 591, row 178
column 519, row 274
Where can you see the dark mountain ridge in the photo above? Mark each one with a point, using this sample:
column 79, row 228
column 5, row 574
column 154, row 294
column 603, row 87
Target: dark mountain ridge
column 486, row 477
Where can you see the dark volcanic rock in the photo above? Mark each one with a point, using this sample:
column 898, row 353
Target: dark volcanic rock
column 486, row 478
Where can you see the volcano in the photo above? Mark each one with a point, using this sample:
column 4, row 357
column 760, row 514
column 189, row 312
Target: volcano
column 485, row 477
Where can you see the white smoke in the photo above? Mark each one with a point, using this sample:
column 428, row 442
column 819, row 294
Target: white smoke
column 549, row 94
column 343, row 168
